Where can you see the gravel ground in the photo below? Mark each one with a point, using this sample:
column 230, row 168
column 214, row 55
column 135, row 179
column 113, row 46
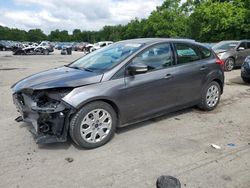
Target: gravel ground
column 178, row 144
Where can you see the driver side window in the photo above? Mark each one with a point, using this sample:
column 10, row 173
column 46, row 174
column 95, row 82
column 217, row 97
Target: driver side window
column 156, row 57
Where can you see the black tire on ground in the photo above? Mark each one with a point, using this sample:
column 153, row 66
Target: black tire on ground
column 246, row 80
column 203, row 103
column 76, row 123
column 229, row 64
column 168, row 181
column 4, row 49
column 45, row 52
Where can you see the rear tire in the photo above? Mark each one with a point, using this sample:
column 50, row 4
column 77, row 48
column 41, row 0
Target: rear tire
column 246, row 80
column 210, row 96
column 93, row 125
column 229, row 64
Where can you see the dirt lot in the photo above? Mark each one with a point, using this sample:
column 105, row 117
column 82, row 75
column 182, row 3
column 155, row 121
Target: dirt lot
column 177, row 144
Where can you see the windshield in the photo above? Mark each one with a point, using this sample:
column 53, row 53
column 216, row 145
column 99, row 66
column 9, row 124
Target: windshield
column 225, row 45
column 106, row 58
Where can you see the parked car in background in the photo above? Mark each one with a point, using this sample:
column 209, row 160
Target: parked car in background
column 81, row 46
column 233, row 53
column 33, row 49
column 59, row 45
column 75, row 45
column 245, row 70
column 5, row 45
column 99, row 45
column 88, row 48
column 47, row 45
column 209, row 45
column 124, row 83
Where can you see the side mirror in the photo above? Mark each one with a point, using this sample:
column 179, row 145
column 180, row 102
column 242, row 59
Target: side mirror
column 138, row 68
column 241, row 48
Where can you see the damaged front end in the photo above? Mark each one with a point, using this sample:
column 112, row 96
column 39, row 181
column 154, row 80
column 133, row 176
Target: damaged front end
column 46, row 111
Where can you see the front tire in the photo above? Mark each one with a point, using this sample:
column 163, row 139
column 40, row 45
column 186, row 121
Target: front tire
column 93, row 125
column 210, row 96
column 229, row 64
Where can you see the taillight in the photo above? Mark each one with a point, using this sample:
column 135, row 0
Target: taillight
column 220, row 62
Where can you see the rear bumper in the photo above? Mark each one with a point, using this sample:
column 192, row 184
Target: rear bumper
column 49, row 125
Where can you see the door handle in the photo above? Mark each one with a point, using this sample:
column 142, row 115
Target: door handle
column 203, row 68
column 168, row 76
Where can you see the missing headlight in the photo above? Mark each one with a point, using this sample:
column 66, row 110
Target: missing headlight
column 47, row 112
column 49, row 100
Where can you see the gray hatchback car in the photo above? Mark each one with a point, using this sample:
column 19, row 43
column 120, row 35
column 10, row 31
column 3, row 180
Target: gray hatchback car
column 233, row 53
column 124, row 83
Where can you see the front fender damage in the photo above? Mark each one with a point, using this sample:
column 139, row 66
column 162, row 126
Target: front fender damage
column 48, row 114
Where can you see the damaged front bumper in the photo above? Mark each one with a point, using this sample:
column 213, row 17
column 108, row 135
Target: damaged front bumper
column 48, row 114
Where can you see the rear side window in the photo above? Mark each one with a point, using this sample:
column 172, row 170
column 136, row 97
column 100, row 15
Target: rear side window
column 206, row 53
column 186, row 53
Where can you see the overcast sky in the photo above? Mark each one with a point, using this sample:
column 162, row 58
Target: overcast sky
column 70, row 14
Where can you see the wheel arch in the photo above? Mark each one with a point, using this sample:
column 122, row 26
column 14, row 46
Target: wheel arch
column 217, row 76
column 231, row 56
column 108, row 101
column 220, row 83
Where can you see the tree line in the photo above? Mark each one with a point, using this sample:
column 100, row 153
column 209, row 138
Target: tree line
column 202, row 20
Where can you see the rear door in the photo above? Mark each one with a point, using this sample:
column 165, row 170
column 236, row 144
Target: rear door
column 191, row 70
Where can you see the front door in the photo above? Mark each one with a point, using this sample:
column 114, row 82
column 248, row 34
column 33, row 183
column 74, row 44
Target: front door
column 153, row 91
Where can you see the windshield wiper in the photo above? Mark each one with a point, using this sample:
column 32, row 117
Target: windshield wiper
column 86, row 69
column 80, row 68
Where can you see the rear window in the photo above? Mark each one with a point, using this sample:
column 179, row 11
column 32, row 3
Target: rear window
column 206, row 53
column 186, row 53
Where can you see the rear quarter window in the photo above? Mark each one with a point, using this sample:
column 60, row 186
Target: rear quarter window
column 206, row 53
column 186, row 53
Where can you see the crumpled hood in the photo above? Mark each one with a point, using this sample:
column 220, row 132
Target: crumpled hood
column 220, row 51
column 57, row 78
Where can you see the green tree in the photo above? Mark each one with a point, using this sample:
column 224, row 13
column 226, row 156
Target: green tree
column 134, row 29
column 169, row 20
column 76, row 35
column 215, row 21
column 57, row 35
column 36, row 35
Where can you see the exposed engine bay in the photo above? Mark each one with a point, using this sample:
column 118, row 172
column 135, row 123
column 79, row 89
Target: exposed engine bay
column 45, row 110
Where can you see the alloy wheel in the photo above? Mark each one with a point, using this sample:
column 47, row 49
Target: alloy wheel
column 96, row 125
column 212, row 96
column 229, row 64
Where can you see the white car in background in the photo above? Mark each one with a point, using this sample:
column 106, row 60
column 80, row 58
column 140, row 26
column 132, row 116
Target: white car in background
column 99, row 45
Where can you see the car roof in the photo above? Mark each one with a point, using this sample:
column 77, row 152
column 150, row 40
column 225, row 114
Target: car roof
column 243, row 40
column 155, row 40
column 230, row 41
